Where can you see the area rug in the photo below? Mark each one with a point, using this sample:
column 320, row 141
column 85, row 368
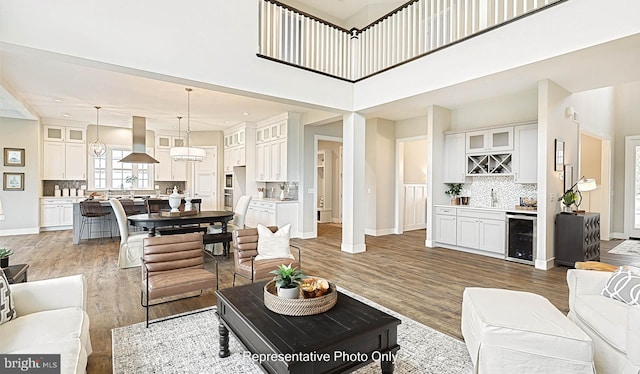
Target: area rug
column 190, row 345
column 627, row 247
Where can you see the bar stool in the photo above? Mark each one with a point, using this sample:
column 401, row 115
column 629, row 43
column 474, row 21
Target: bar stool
column 129, row 208
column 91, row 210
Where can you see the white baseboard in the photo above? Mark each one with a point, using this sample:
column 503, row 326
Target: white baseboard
column 415, row 227
column 545, row 265
column 619, row 235
column 379, row 232
column 307, row 235
column 429, row 243
column 56, row 228
column 350, row 248
column 336, row 220
column 27, row 231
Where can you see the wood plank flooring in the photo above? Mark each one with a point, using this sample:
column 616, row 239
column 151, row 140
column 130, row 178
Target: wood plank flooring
column 396, row 271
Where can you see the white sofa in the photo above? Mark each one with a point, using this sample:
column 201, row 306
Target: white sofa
column 51, row 318
column 613, row 326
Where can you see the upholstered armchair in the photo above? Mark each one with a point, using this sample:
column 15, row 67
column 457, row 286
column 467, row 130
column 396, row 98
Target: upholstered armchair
column 613, row 325
column 245, row 242
column 130, row 243
column 173, row 265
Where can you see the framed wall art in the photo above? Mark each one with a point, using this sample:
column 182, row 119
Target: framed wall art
column 559, row 159
column 13, row 181
column 14, row 157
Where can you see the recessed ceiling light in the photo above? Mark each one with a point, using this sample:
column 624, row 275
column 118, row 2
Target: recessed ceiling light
column 66, row 115
column 57, row 100
column 245, row 114
column 227, row 122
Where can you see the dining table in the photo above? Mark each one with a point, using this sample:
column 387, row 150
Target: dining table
column 152, row 221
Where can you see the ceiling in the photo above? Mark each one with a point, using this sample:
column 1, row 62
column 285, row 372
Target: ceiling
column 63, row 90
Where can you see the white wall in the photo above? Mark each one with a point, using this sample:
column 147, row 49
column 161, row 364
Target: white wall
column 411, row 128
column 627, row 118
column 208, row 44
column 21, row 208
column 415, row 161
column 517, row 107
column 379, row 176
column 552, row 124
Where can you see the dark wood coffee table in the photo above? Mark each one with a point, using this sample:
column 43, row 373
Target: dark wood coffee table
column 16, row 273
column 348, row 336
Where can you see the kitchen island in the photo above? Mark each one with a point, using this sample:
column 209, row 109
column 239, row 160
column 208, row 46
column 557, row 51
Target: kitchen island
column 96, row 230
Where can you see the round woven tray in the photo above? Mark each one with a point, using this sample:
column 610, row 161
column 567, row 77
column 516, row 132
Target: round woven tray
column 298, row 307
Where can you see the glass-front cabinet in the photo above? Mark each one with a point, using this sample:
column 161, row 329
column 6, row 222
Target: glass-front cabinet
column 494, row 140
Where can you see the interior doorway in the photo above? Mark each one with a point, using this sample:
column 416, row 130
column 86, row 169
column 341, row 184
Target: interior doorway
column 411, row 184
column 205, row 179
column 595, row 163
column 632, row 186
column 328, row 181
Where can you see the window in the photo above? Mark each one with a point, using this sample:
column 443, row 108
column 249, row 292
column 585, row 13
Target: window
column 107, row 172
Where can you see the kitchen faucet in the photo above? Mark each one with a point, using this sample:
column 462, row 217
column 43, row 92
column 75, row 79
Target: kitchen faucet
column 494, row 199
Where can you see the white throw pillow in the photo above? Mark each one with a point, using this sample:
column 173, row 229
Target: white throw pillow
column 273, row 245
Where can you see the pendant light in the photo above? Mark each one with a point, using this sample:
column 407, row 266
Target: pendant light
column 97, row 148
column 187, row 153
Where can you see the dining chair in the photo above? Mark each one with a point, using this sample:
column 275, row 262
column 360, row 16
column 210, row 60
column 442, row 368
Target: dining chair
column 130, row 243
column 237, row 222
column 173, row 266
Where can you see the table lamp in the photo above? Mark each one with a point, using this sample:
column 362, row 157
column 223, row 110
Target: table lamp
column 584, row 185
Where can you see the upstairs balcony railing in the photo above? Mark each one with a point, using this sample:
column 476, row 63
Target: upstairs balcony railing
column 413, row 30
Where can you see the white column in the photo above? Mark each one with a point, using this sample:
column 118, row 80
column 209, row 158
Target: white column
column 353, row 190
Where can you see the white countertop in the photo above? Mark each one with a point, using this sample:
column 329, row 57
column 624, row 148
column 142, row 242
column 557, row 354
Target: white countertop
column 498, row 209
column 270, row 200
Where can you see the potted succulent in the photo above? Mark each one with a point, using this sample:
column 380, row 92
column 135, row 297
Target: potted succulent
column 288, row 281
column 453, row 191
column 4, row 257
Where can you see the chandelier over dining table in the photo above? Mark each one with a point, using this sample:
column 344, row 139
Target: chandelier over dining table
column 187, row 153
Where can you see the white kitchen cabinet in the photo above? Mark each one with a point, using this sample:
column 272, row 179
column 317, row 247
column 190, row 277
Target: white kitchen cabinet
column 167, row 169
column 263, row 162
column 481, row 229
column 273, row 213
column 525, row 151
column 56, row 214
column 234, row 148
column 454, row 159
column 446, row 227
column 272, row 153
column 468, row 232
column 64, row 161
column 492, row 235
column 492, row 140
column 64, row 134
column 278, row 160
column 169, row 141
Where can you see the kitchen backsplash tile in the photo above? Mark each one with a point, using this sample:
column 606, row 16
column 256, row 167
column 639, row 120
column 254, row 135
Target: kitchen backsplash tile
column 507, row 192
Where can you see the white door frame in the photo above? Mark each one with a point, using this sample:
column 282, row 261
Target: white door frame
column 630, row 142
column 399, row 175
column 316, row 139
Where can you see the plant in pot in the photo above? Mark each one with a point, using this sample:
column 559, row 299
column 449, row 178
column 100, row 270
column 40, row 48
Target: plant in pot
column 132, row 181
column 569, row 198
column 453, row 192
column 288, row 281
column 4, row 257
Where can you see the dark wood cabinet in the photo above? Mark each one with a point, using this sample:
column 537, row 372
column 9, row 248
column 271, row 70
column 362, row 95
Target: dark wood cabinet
column 577, row 238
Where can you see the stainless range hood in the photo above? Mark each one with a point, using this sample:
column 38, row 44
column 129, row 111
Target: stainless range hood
column 138, row 155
